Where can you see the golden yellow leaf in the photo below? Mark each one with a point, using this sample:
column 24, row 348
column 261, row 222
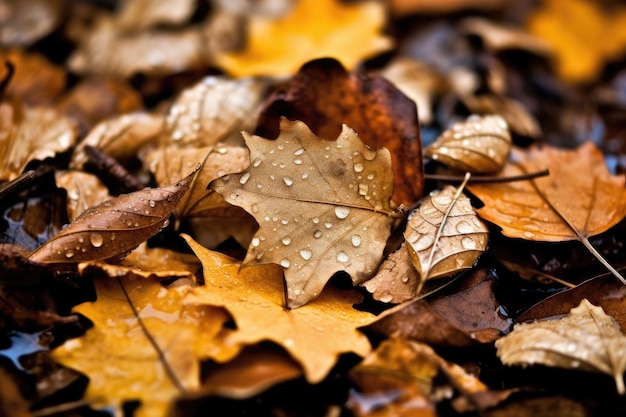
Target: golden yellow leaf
column 584, row 35
column 314, row 335
column 586, row 339
column 312, row 29
column 144, row 345
column 322, row 206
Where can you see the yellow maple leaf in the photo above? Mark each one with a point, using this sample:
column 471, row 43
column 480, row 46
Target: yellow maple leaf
column 314, row 335
column 312, row 29
column 583, row 33
column 148, row 350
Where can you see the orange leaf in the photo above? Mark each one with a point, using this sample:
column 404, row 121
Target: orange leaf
column 315, row 334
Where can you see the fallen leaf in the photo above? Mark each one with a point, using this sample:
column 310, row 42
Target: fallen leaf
column 444, row 235
column 314, row 335
column 322, row 206
column 113, row 227
column 579, row 199
column 83, row 191
column 580, row 28
column 24, row 22
column 31, row 133
column 325, row 96
column 144, row 345
column 478, row 145
column 551, row 406
column 407, row 7
column 12, row 403
column 136, row 15
column 312, row 29
column 586, row 339
column 518, row 118
column 498, row 37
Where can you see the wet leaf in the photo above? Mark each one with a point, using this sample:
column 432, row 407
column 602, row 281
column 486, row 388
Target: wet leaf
column 586, row 339
column 113, row 227
column 83, row 191
column 328, row 28
column 579, row 199
column 322, row 206
column 478, row 145
column 444, row 235
column 144, row 345
column 314, row 335
column 325, row 96
column 24, row 22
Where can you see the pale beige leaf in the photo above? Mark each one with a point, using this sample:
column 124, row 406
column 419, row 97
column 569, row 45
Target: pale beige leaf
column 480, row 144
column 83, row 191
column 497, row 37
column 520, row 121
column 33, row 133
column 586, row 339
column 120, row 137
column 213, row 110
column 268, row 8
column 140, row 14
column 322, row 206
column 444, row 235
column 24, row 22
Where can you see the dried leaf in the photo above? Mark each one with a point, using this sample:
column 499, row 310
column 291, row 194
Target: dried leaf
column 28, row 133
column 83, row 191
column 114, row 227
column 480, row 145
column 498, row 37
column 24, row 22
column 325, row 96
column 516, row 115
column 586, row 339
column 136, row 15
column 144, row 345
column 314, row 335
column 579, row 199
column 406, row 7
column 322, row 206
column 444, row 235
column 328, row 28
column 270, row 8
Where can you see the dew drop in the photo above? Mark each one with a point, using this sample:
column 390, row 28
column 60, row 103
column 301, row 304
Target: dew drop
column 222, row 151
column 288, row 181
column 386, row 298
column 306, row 254
column 297, row 161
column 280, row 147
column 256, row 162
column 342, row 257
column 317, row 234
column 152, row 203
column 255, row 242
column 255, row 208
column 284, row 221
column 468, row 243
column 328, row 225
column 442, row 200
column 299, row 152
column 285, row 263
column 286, row 241
column 69, row 253
column 405, row 279
column 342, row 212
column 529, row 234
column 244, row 178
column 96, row 239
column 356, row 241
column 177, row 135
column 315, row 220
column 358, row 168
column 464, row 227
column 305, row 175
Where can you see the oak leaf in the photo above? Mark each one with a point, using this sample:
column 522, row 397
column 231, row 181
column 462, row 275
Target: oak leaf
column 579, row 199
column 114, row 227
column 586, row 339
column 322, row 206
column 314, row 335
column 312, row 29
column 144, row 345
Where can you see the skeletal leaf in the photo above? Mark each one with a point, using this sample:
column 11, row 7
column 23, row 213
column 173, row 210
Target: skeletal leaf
column 113, row 227
column 444, row 235
column 480, row 144
column 586, row 339
column 322, row 206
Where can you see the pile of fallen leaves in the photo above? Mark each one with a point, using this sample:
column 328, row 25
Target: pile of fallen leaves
column 304, row 207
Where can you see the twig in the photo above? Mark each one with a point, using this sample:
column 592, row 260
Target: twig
column 490, row 179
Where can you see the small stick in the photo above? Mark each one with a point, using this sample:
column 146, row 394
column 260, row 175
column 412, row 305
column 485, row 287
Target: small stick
column 488, row 179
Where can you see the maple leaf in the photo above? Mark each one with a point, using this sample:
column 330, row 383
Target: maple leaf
column 586, row 339
column 312, row 29
column 322, row 206
column 314, row 335
column 144, row 345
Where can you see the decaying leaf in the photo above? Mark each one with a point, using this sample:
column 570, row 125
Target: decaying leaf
column 586, row 339
column 145, row 345
column 444, row 235
column 518, row 118
column 31, row 133
column 405, row 7
column 24, row 22
column 322, row 206
column 325, row 96
column 312, row 29
column 314, row 335
column 580, row 198
column 83, row 191
column 114, row 227
column 478, row 145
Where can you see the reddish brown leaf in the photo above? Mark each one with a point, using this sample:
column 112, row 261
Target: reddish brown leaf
column 324, row 96
column 114, row 227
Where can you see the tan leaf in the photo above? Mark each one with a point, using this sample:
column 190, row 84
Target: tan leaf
column 498, row 37
column 33, row 133
column 24, row 22
column 586, row 339
column 83, row 191
column 322, row 206
column 480, row 144
column 213, row 110
column 324, row 28
column 314, row 335
column 136, row 15
column 144, row 345
column 113, row 227
column 444, row 235
column 516, row 115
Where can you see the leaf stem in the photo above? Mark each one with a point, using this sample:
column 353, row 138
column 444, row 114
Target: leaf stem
column 489, row 179
column 599, row 257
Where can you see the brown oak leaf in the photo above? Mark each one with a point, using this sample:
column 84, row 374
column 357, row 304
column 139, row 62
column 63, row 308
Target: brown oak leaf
column 322, row 206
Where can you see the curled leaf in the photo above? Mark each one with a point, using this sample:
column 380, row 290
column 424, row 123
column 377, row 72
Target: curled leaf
column 444, row 235
column 585, row 339
column 480, row 144
column 115, row 226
